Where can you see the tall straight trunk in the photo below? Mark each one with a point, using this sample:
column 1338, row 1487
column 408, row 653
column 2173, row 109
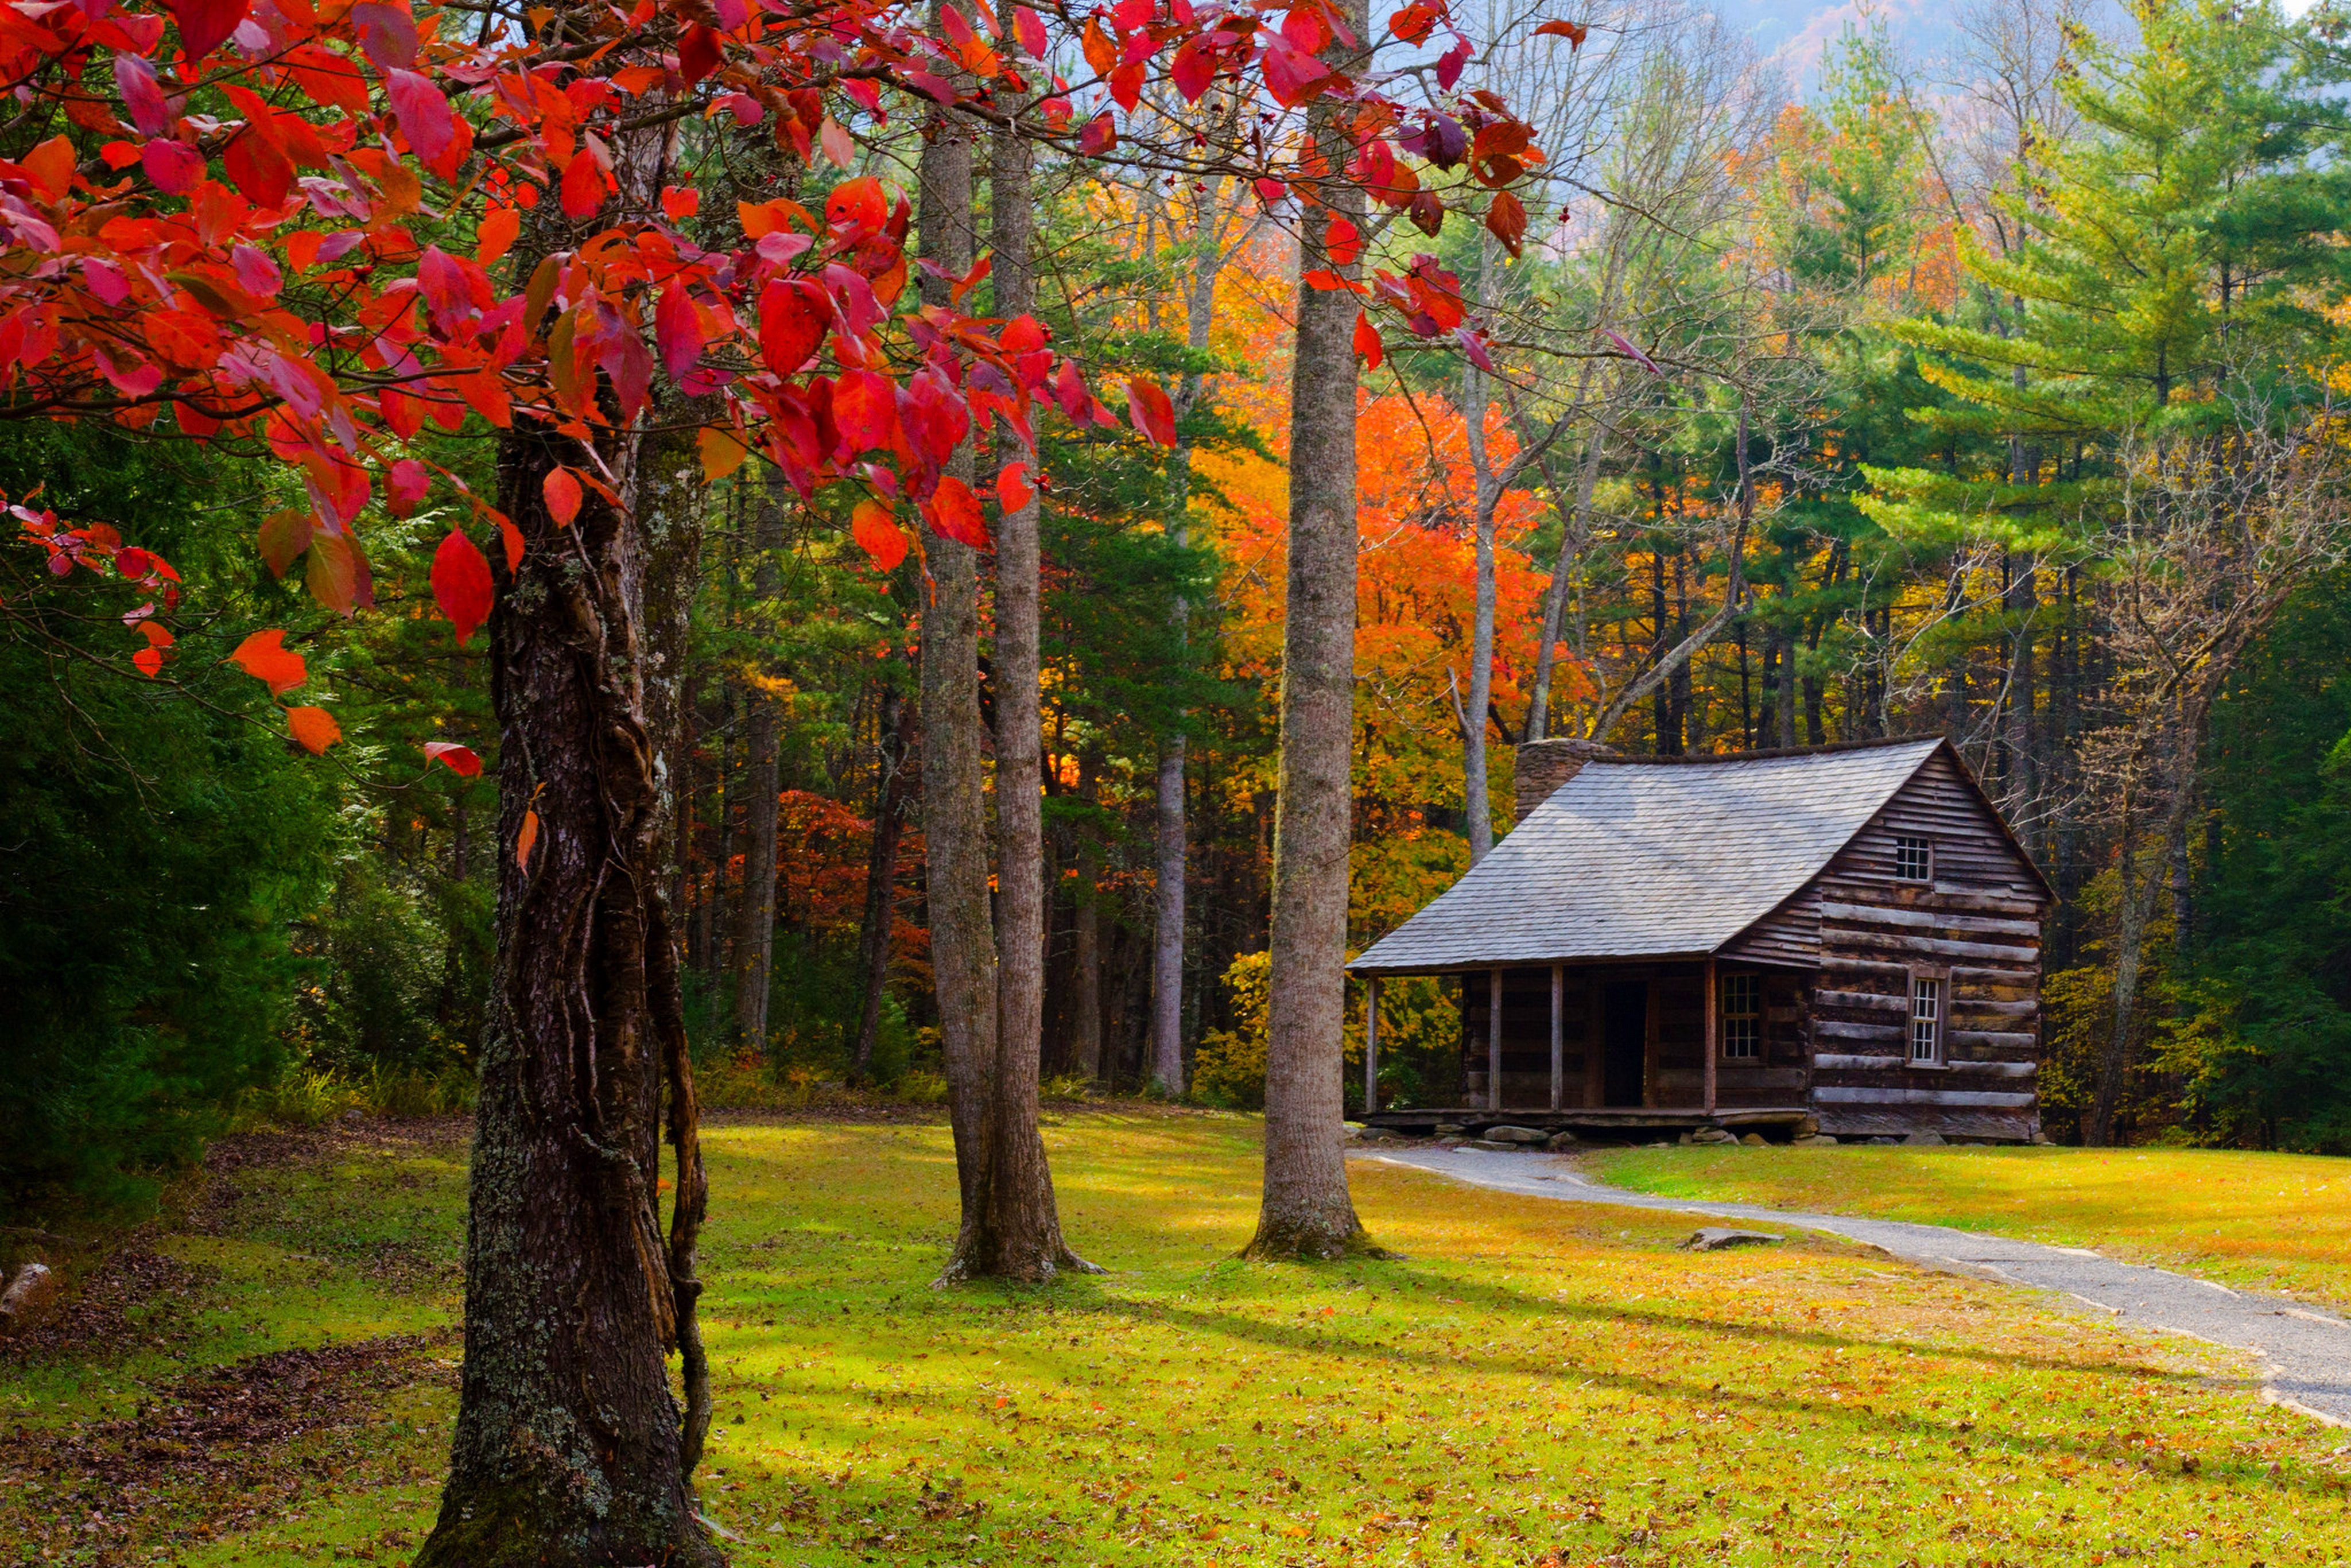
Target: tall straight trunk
column 895, row 742
column 755, row 933
column 2023, row 759
column 1088, row 923
column 1169, row 834
column 1306, row 1211
column 1169, row 861
column 1477, row 798
column 955, row 799
column 1011, row 1230
column 723, row 812
column 1571, row 544
column 570, row 1448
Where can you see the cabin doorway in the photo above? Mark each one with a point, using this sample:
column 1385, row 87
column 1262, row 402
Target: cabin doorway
column 1624, row 1040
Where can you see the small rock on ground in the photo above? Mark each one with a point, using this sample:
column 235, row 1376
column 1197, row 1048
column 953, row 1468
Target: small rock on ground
column 1714, row 1238
column 1816, row 1141
column 1713, row 1136
column 1514, row 1135
column 1562, row 1140
column 1923, row 1140
column 29, row 1298
column 1500, row 1145
column 1754, row 1140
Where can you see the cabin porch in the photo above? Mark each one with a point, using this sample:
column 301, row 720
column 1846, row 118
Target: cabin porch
column 1593, row 1045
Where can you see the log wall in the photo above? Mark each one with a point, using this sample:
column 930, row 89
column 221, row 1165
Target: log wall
column 1977, row 927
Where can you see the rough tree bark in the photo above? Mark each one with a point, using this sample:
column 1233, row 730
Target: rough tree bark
column 570, row 1448
column 896, row 739
column 1011, row 1228
column 1306, row 1211
column 955, row 791
column 755, row 933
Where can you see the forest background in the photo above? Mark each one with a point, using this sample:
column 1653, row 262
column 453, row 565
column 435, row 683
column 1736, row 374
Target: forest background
column 1808, row 418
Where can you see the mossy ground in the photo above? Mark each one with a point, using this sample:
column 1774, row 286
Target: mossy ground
column 2260, row 1221
column 1533, row 1382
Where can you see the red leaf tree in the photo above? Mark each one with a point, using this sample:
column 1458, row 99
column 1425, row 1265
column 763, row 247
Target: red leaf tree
column 321, row 232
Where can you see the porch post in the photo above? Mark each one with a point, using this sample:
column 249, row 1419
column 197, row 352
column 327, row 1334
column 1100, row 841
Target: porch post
column 1371, row 1043
column 1558, row 1042
column 1494, row 1040
column 1713, row 1030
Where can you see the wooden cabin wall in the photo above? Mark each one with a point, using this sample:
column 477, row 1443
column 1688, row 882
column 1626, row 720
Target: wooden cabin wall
column 1978, row 924
column 1778, row 1076
column 1526, row 1036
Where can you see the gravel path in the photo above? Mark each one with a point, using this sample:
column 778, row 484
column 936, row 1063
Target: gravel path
column 2306, row 1354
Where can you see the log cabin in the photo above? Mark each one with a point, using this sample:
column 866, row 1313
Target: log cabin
column 1842, row 934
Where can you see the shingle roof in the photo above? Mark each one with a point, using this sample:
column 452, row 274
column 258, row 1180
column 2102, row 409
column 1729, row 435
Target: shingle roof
column 1646, row 859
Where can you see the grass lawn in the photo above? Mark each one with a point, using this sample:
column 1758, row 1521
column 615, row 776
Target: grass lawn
column 1537, row 1384
column 2274, row 1222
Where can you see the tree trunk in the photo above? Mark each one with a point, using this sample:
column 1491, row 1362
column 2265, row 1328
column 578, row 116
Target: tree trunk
column 1011, row 1230
column 1476, row 798
column 570, row 1448
column 755, row 935
column 955, row 799
column 1306, row 1211
column 1088, row 922
column 1169, row 861
column 895, row 742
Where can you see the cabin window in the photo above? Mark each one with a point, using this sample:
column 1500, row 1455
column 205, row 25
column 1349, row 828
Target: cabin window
column 1926, row 1022
column 1914, row 858
column 1743, row 1018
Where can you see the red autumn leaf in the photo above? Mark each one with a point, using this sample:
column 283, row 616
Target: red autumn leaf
column 461, row 583
column 405, row 485
column 1368, row 344
column 527, row 838
column 458, row 759
column 258, row 167
column 1013, row 490
column 148, row 661
column 1412, row 23
column 284, row 536
column 496, row 235
column 698, row 51
column 1154, row 415
column 333, row 575
column 1023, row 335
column 866, row 409
column 953, row 512
column 1030, row 31
column 677, row 330
column 877, row 533
column 859, row 204
column 425, row 118
column 1574, row 32
column 265, row 657
column 583, row 186
column 204, row 23
column 1100, row 135
column 561, row 488
column 1506, row 216
column 1341, row 243
column 679, row 204
column 314, row 728
column 792, row 320
column 513, row 538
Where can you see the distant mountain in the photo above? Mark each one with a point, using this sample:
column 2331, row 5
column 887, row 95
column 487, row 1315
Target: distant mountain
column 1796, row 32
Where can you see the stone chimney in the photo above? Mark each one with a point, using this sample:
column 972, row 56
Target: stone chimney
column 1545, row 764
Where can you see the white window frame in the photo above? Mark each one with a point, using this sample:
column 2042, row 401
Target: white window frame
column 1932, row 987
column 1901, row 842
column 1752, row 1017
